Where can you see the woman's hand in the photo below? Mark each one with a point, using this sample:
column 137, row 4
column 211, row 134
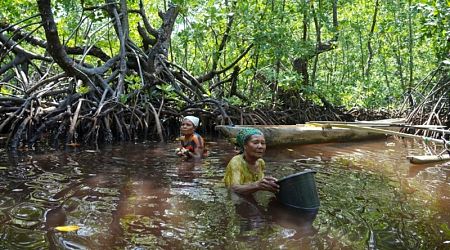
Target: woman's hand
column 182, row 152
column 268, row 184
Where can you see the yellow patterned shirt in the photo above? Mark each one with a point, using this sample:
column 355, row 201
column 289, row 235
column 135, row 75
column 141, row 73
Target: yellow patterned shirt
column 237, row 171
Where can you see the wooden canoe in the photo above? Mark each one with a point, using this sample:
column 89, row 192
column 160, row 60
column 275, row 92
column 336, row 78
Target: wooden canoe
column 423, row 159
column 302, row 133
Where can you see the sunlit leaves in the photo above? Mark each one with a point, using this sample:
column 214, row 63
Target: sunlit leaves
column 168, row 91
column 11, row 10
column 82, row 89
column 234, row 100
column 280, row 31
column 133, row 82
column 435, row 17
column 5, row 91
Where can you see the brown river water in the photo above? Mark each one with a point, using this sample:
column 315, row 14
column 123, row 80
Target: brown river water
column 141, row 196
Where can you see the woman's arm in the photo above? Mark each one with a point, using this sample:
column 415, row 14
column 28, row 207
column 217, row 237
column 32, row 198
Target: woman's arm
column 266, row 184
column 199, row 147
column 197, row 154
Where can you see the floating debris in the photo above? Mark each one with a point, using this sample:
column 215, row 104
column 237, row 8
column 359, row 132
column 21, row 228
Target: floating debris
column 67, row 228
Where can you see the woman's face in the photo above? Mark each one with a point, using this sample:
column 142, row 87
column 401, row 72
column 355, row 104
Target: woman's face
column 187, row 127
column 255, row 146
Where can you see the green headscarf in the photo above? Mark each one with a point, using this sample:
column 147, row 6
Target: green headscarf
column 244, row 134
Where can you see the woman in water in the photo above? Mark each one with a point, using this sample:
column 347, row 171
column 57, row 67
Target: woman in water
column 245, row 172
column 192, row 144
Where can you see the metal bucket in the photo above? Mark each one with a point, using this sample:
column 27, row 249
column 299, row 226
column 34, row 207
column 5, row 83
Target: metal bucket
column 299, row 191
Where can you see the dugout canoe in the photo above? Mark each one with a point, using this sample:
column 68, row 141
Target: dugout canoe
column 305, row 133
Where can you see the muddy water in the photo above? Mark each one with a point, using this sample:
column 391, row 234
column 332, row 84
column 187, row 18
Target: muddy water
column 140, row 196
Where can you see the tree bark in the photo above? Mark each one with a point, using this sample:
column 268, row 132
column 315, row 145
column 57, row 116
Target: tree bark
column 300, row 64
column 369, row 42
column 54, row 46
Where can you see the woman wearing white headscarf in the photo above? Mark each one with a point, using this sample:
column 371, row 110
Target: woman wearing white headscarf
column 192, row 144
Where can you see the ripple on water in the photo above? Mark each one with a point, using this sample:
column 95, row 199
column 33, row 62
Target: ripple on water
column 430, row 180
column 26, row 214
column 52, row 187
column 6, row 202
column 91, row 221
column 50, row 176
column 20, row 238
column 71, row 203
column 194, row 193
column 138, row 229
column 71, row 241
column 47, row 180
column 44, row 196
column 3, row 218
column 176, row 204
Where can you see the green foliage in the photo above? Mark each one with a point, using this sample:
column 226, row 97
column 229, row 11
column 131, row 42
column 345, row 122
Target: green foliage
column 82, row 89
column 12, row 9
column 167, row 90
column 123, row 98
column 133, row 82
column 234, row 100
column 5, row 91
column 276, row 30
column 435, row 25
column 445, row 230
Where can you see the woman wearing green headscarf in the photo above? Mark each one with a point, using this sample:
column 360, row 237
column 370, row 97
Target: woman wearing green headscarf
column 245, row 171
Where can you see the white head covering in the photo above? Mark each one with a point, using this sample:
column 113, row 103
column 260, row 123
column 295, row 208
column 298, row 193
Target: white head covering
column 193, row 119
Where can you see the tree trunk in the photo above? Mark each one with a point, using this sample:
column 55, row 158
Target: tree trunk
column 369, row 41
column 411, row 59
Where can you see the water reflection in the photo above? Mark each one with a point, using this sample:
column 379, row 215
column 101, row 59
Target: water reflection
column 14, row 237
column 141, row 196
column 255, row 216
column 26, row 215
column 6, row 202
column 69, row 241
column 301, row 221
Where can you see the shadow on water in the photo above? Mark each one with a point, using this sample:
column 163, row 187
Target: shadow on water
column 141, row 196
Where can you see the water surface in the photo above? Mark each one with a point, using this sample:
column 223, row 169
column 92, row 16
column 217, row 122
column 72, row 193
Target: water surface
column 141, row 196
